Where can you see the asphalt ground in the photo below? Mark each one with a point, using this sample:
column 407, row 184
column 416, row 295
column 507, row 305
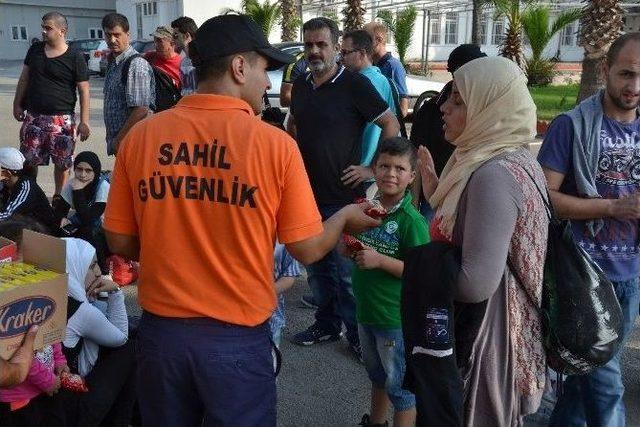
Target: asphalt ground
column 319, row 385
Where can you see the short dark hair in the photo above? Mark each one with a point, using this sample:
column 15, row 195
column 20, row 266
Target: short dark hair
column 185, row 25
column 12, row 227
column 397, row 146
column 619, row 44
column 112, row 20
column 215, row 68
column 320, row 23
column 361, row 40
column 58, row 18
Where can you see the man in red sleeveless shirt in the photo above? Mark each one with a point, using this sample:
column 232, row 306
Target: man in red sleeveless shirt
column 165, row 57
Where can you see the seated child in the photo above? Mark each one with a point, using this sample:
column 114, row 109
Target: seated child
column 86, row 193
column 20, row 193
column 32, row 402
column 285, row 271
column 377, row 283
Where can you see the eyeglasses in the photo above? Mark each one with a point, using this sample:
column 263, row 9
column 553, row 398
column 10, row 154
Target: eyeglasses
column 345, row 52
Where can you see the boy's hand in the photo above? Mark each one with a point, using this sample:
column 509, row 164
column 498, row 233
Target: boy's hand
column 59, row 370
column 55, row 387
column 368, row 259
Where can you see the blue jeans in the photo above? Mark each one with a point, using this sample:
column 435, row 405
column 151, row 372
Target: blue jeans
column 330, row 282
column 277, row 322
column 383, row 356
column 596, row 399
column 190, row 370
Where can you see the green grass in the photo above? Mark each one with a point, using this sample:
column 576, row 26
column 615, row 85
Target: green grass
column 553, row 100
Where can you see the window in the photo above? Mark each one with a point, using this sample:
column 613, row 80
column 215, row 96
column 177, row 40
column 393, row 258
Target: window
column 498, row 32
column 569, row 34
column 18, row 32
column 435, row 30
column 451, row 28
column 483, row 29
column 95, row 33
column 150, row 8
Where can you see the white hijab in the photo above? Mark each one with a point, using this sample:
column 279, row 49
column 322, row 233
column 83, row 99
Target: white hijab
column 501, row 117
column 80, row 255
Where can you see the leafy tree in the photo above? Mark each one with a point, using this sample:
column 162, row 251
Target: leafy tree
column 401, row 27
column 539, row 30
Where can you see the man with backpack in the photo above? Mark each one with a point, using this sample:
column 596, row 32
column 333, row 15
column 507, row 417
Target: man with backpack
column 129, row 84
column 590, row 159
column 166, row 68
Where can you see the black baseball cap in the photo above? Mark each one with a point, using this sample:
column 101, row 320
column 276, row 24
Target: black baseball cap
column 225, row 35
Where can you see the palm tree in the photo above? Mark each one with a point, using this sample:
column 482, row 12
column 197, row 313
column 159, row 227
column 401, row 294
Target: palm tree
column 600, row 25
column 353, row 15
column 539, row 32
column 511, row 46
column 266, row 14
column 290, row 21
column 476, row 13
column 401, row 27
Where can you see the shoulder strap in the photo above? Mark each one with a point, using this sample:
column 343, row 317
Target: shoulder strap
column 396, row 101
column 124, row 76
column 546, row 200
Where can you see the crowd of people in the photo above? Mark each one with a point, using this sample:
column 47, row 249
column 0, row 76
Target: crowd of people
column 221, row 210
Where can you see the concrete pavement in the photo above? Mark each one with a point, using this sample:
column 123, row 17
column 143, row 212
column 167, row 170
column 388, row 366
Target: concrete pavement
column 320, row 385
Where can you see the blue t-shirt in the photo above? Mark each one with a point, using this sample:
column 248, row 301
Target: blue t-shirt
column 615, row 248
column 284, row 265
column 392, row 68
column 371, row 133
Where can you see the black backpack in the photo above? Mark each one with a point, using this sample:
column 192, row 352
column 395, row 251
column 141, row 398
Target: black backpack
column 581, row 316
column 167, row 94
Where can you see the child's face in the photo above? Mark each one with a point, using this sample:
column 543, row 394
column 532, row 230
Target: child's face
column 393, row 174
column 84, row 172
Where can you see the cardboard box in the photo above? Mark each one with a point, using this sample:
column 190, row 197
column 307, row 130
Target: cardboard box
column 43, row 302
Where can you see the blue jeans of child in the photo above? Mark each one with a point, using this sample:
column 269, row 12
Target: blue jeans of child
column 330, row 282
column 383, row 356
column 596, row 399
column 190, row 370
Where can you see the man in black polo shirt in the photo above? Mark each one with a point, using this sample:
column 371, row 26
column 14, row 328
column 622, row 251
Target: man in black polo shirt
column 329, row 109
column 45, row 100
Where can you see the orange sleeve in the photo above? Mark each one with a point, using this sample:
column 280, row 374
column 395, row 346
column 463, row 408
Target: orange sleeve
column 298, row 217
column 119, row 215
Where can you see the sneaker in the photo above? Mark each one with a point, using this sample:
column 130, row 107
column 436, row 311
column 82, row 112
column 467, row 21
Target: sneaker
column 356, row 349
column 314, row 335
column 366, row 421
column 307, row 301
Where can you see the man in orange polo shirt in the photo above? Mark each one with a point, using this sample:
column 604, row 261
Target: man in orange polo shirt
column 199, row 194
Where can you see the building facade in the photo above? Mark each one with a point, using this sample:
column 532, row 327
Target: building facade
column 145, row 16
column 20, row 22
column 442, row 25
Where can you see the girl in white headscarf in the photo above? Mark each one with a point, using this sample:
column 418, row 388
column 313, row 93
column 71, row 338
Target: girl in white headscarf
column 96, row 343
column 486, row 202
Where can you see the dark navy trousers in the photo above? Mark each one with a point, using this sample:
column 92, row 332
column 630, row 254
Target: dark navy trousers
column 202, row 372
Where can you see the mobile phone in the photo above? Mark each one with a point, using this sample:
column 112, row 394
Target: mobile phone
column 69, row 229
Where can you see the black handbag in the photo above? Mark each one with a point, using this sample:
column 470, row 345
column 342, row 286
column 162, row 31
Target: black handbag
column 581, row 315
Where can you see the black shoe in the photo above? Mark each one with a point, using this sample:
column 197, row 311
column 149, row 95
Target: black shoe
column 356, row 349
column 366, row 421
column 314, row 335
column 307, row 301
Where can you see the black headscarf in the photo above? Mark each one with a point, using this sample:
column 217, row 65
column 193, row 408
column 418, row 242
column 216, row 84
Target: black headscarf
column 463, row 54
column 92, row 160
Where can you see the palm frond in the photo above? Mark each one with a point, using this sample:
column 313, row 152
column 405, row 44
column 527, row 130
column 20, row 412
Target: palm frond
column 387, row 17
